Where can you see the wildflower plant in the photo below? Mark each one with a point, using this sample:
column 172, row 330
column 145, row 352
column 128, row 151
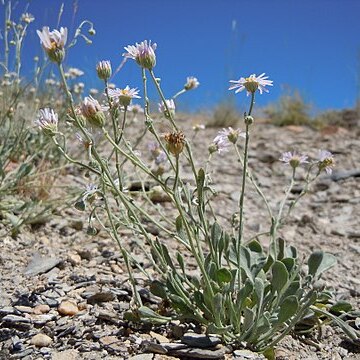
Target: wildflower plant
column 247, row 294
column 28, row 162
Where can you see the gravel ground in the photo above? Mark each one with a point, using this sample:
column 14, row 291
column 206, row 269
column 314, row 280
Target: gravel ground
column 63, row 293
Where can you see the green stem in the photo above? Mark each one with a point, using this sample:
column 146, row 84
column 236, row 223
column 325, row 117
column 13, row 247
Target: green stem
column 67, row 157
column 242, row 196
column 149, row 121
column 158, row 88
column 254, row 183
column 277, row 220
column 115, row 235
column 182, row 91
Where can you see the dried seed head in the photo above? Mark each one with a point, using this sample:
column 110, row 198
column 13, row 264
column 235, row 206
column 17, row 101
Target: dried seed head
column 175, row 142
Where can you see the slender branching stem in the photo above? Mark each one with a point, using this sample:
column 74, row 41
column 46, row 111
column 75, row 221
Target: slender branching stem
column 242, row 194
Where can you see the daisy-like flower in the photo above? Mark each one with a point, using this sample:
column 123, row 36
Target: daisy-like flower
column 93, row 91
column 157, row 153
column 198, row 127
column 143, row 54
column 229, row 134
column 50, row 82
column 219, row 145
column 191, row 83
column 73, row 73
column 293, row 159
column 27, row 18
column 326, row 161
column 90, row 195
column 84, row 142
column 53, row 43
column 93, row 111
column 164, row 109
column 47, row 121
column 136, row 109
column 251, row 84
column 103, row 69
column 124, row 96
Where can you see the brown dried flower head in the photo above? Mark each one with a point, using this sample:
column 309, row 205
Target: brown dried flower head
column 175, row 142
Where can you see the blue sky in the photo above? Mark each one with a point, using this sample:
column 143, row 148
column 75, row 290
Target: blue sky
column 309, row 45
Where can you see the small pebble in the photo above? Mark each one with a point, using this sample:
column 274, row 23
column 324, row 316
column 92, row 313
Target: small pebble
column 68, row 308
column 41, row 309
column 74, row 259
column 41, row 340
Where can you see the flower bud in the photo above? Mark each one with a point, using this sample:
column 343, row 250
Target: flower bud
column 91, row 231
column 103, row 69
column 80, row 205
column 92, row 110
column 248, row 120
column 212, row 148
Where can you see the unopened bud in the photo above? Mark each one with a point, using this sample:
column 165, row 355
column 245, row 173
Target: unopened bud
column 248, row 120
column 103, row 69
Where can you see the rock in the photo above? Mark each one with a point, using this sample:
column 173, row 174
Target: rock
column 107, row 340
column 115, row 268
column 355, row 248
column 66, row 355
column 68, row 308
column 7, row 310
column 109, row 316
column 15, row 319
column 39, row 265
column 86, row 254
column 40, row 340
column 24, row 309
column 142, row 357
column 17, row 344
column 113, row 344
column 101, row 297
column 295, row 128
column 354, row 234
column 247, row 354
column 82, row 306
column 22, row 355
column 158, row 337
column 154, row 347
column 74, row 259
column 200, row 340
column 42, row 319
column 41, row 309
column 198, row 353
column 341, row 175
column 158, row 195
